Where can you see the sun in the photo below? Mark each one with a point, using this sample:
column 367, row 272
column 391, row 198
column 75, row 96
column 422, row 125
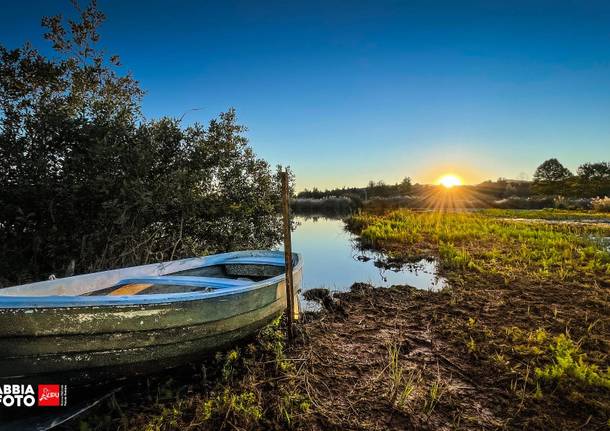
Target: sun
column 449, row 181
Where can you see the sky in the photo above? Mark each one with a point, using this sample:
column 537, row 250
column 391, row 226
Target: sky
column 350, row 91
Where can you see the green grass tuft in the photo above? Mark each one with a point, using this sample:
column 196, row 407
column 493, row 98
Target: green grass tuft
column 569, row 362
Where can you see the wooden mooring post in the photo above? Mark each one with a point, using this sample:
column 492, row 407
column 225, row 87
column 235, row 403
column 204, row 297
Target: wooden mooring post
column 288, row 256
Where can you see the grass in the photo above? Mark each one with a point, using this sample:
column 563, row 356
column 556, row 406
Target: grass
column 434, row 395
column 549, row 214
column 253, row 386
column 487, row 242
column 402, row 384
column 569, row 361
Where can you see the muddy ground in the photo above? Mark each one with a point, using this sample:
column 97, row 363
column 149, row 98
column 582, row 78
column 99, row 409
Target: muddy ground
column 445, row 341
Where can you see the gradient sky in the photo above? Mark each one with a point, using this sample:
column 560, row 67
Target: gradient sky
column 349, row 91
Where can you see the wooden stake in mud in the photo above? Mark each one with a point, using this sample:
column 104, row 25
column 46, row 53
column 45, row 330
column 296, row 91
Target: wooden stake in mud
column 288, row 255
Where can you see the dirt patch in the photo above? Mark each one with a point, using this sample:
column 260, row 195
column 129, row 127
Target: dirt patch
column 353, row 382
column 445, row 343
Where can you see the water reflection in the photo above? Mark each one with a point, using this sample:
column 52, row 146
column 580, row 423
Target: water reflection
column 333, row 260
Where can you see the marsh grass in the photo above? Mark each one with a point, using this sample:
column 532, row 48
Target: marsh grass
column 551, row 214
column 601, row 204
column 435, row 392
column 569, row 360
column 402, row 383
column 488, row 242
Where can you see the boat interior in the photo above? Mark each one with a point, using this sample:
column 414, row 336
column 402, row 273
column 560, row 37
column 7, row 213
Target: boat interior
column 199, row 274
column 238, row 272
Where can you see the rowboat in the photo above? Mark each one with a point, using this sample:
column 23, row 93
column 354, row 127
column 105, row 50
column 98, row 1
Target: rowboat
column 142, row 318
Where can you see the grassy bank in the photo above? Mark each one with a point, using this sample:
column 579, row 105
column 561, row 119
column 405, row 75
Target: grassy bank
column 483, row 243
column 549, row 214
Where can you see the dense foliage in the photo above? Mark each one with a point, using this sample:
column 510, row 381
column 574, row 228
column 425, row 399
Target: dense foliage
column 86, row 182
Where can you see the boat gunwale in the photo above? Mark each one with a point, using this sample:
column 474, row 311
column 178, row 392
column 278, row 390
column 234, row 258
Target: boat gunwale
column 16, row 303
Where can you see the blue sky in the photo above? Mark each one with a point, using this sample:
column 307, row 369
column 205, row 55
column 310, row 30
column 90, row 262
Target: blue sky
column 349, row 91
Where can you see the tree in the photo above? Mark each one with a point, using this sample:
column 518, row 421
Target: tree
column 86, row 179
column 405, row 186
column 551, row 177
column 551, row 171
column 594, row 179
column 594, row 171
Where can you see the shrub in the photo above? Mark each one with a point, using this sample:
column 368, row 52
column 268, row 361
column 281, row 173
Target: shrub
column 561, row 202
column 394, row 202
column 88, row 184
column 330, row 205
column 517, row 202
column 601, row 204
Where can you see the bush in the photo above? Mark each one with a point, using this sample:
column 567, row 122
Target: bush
column 516, row 202
column 394, row 202
column 601, row 204
column 561, row 202
column 88, row 184
column 536, row 203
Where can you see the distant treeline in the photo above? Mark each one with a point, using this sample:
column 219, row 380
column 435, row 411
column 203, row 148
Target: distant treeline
column 553, row 185
column 591, row 180
column 329, row 206
column 372, row 190
column 551, row 178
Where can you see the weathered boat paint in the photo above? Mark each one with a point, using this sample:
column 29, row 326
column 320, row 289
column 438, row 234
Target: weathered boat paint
column 72, row 334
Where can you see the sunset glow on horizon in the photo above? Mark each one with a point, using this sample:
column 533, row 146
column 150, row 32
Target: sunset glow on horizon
column 450, row 181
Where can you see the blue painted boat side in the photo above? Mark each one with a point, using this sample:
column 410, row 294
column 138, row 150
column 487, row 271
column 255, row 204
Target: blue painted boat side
column 89, row 283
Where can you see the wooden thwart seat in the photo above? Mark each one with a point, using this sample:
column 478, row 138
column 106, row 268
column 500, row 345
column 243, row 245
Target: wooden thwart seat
column 133, row 286
column 130, row 289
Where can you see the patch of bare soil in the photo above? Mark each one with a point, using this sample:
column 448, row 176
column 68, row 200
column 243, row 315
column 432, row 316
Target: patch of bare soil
column 400, row 358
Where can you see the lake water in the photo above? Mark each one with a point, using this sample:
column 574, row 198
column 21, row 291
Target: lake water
column 332, row 260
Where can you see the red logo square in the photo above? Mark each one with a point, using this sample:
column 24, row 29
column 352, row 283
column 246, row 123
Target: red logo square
column 48, row 395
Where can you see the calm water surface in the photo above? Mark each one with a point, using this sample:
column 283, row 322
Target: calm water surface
column 332, row 260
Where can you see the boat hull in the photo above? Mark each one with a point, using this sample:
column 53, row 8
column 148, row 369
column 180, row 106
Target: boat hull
column 111, row 339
